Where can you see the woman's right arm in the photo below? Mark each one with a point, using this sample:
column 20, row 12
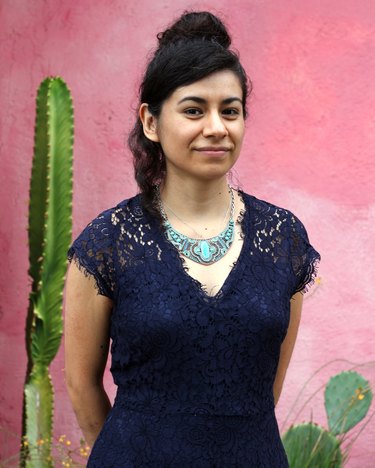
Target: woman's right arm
column 87, row 317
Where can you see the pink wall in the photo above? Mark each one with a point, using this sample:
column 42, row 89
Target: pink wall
column 309, row 147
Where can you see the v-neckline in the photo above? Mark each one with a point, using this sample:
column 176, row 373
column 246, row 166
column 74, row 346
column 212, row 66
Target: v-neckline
column 243, row 220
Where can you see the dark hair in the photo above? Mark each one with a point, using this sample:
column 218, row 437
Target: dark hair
column 192, row 48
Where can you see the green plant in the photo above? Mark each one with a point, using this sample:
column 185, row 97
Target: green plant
column 309, row 445
column 348, row 398
column 50, row 226
column 64, row 452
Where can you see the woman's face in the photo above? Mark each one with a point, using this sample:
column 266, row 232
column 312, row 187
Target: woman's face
column 200, row 127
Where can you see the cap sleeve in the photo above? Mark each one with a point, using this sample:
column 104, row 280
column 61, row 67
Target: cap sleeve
column 92, row 252
column 305, row 259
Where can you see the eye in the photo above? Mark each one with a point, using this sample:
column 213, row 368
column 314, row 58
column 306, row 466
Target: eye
column 231, row 112
column 193, row 112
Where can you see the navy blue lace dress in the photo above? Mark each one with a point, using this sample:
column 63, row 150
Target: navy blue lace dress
column 194, row 372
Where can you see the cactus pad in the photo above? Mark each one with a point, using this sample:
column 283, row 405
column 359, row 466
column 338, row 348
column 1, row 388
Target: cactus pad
column 347, row 399
column 311, row 446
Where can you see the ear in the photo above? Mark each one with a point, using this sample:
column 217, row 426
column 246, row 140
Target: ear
column 149, row 123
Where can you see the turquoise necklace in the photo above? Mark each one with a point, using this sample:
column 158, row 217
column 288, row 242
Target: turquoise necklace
column 202, row 251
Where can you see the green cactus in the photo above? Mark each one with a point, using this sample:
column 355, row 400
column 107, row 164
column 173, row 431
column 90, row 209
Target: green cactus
column 50, row 226
column 347, row 400
column 311, row 446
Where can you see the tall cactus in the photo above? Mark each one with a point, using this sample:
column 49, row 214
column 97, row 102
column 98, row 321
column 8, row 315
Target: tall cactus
column 50, row 226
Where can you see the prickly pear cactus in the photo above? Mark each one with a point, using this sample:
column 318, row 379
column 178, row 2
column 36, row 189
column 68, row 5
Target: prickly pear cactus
column 311, row 446
column 50, row 226
column 347, row 399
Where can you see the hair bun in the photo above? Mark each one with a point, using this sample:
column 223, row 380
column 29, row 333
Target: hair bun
column 196, row 25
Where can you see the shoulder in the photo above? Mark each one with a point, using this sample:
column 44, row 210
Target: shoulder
column 101, row 231
column 279, row 233
column 126, row 207
column 107, row 219
column 94, row 249
column 266, row 212
column 273, row 221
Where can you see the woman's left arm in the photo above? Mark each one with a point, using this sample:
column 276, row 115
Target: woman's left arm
column 288, row 344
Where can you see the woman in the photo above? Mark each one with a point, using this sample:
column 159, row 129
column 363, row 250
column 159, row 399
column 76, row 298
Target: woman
column 198, row 285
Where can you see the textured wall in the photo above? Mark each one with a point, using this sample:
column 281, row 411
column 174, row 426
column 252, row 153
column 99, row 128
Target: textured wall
column 309, row 147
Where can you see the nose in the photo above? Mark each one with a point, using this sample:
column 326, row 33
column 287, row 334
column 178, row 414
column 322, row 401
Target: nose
column 214, row 126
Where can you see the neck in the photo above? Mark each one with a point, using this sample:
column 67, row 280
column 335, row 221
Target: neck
column 196, row 199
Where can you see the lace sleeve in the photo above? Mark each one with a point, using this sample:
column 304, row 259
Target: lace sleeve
column 92, row 252
column 305, row 259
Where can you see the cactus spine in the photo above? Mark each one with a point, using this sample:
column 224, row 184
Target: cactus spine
column 50, row 226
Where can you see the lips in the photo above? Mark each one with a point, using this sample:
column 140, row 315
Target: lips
column 217, row 152
column 212, row 149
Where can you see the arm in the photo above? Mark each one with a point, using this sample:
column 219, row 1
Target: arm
column 87, row 317
column 288, row 344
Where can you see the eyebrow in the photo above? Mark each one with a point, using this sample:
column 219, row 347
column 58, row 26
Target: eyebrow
column 200, row 100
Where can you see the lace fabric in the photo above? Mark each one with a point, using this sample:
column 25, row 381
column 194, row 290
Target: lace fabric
column 194, row 372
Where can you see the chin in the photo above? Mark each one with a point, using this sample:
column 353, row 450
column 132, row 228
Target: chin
column 212, row 174
column 216, row 172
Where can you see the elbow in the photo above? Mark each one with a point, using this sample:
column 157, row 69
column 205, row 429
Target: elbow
column 78, row 385
column 74, row 387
